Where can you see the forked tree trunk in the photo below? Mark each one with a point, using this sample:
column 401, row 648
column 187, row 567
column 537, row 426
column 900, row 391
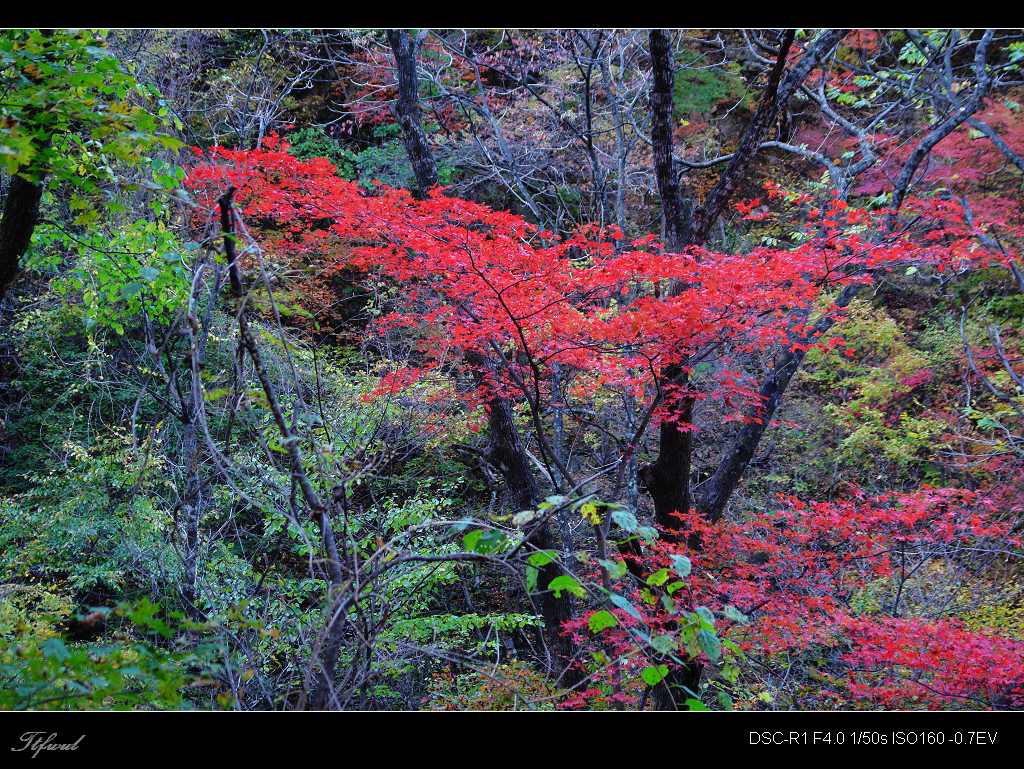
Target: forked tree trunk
column 668, row 478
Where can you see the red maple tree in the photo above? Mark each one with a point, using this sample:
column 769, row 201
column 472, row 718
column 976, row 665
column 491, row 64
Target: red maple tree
column 486, row 290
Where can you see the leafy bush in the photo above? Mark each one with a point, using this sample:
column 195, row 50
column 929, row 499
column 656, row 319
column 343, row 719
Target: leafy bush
column 116, row 279
column 314, row 142
column 512, row 686
column 41, row 670
column 97, row 524
column 699, row 87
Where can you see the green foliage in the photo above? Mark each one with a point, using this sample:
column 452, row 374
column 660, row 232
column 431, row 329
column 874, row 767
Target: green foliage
column 700, row 86
column 601, row 620
column 70, row 110
column 871, row 598
column 119, row 278
column 1007, row 620
column 512, row 686
column 906, row 442
column 97, row 523
column 387, row 163
column 566, row 583
column 458, row 631
column 42, row 670
column 91, row 523
column 314, row 142
column 70, row 391
column 876, row 408
column 653, row 674
column 695, row 633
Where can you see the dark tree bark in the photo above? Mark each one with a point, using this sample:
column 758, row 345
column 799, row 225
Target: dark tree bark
column 944, row 128
column 227, row 226
column 774, row 99
column 667, row 479
column 713, row 494
column 407, row 110
column 320, row 685
column 507, row 452
column 21, row 208
column 21, row 212
column 675, row 211
column 508, row 455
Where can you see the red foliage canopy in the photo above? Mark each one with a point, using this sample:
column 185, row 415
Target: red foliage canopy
column 615, row 314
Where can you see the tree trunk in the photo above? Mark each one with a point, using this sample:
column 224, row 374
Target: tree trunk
column 21, row 212
column 664, row 479
column 667, row 480
column 713, row 494
column 407, row 110
column 227, row 226
column 508, row 455
column 675, row 211
column 507, row 452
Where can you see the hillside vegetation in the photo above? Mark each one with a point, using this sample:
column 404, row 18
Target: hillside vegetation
column 511, row 370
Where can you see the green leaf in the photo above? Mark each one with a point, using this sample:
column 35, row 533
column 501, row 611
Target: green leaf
column 647, row 533
column 615, row 569
column 601, row 620
column 541, row 558
column 693, row 704
column 682, row 566
column 652, row 674
column 625, row 605
column 625, row 520
column 705, row 614
column 483, row 540
column 565, row 582
column 536, row 561
column 532, row 574
column 524, row 517
column 470, row 540
column 665, row 644
column 55, row 647
column 709, row 644
column 731, row 612
column 660, row 577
